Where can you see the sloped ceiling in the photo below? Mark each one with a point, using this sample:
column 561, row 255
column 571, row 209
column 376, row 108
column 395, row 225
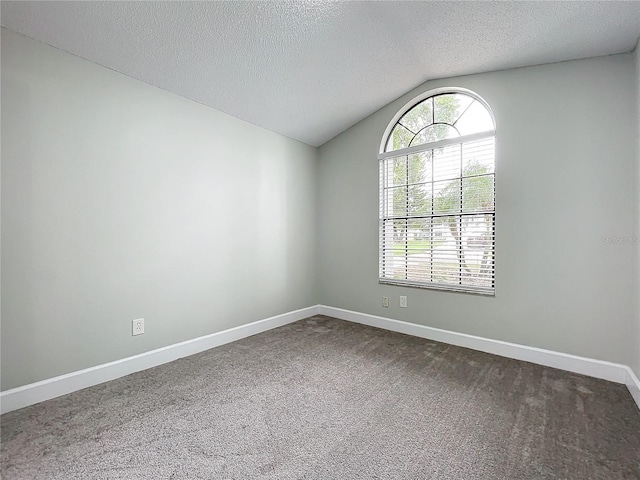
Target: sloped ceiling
column 311, row 69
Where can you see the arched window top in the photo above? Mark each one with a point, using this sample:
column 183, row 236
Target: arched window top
column 438, row 115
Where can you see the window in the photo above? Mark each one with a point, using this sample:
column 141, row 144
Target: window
column 437, row 194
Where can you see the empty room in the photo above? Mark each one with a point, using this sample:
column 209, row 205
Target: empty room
column 320, row 240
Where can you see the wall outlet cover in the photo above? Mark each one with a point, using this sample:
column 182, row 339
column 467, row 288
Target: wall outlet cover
column 403, row 301
column 137, row 326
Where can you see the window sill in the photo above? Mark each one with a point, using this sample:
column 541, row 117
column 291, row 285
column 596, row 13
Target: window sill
column 485, row 292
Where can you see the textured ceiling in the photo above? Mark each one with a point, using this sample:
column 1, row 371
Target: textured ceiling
column 311, row 69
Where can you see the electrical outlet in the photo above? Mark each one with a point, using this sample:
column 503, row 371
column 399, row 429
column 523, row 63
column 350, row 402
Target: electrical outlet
column 403, row 301
column 137, row 326
column 385, row 302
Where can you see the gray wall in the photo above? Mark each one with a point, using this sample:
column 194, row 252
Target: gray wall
column 120, row 200
column 635, row 363
column 566, row 182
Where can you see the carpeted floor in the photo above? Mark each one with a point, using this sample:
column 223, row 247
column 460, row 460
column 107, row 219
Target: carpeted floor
column 327, row 399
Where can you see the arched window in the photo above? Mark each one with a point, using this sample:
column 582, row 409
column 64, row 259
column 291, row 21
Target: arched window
column 437, row 194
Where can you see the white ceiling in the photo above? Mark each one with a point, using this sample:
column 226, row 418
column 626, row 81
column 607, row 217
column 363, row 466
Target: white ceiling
column 311, row 69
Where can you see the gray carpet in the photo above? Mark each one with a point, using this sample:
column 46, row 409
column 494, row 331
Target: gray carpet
column 327, row 399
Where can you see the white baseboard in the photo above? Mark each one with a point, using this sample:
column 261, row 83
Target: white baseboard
column 633, row 384
column 613, row 372
column 54, row 387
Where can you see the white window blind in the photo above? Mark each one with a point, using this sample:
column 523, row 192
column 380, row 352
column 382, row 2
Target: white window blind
column 437, row 198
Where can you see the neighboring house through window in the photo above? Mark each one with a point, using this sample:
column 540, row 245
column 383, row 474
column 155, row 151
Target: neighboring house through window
column 437, row 194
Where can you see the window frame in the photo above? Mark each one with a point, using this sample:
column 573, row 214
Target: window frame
column 384, row 155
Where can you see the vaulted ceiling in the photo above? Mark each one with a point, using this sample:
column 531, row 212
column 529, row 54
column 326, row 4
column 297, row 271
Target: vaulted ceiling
column 311, row 69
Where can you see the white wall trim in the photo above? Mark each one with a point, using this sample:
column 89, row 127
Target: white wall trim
column 613, row 372
column 633, row 384
column 54, row 387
